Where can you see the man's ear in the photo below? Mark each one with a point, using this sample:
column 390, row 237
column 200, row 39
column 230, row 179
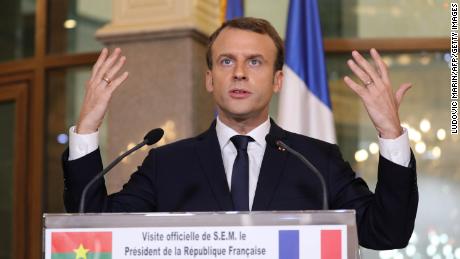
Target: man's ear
column 209, row 81
column 278, row 81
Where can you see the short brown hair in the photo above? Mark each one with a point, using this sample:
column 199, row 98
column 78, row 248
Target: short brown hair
column 250, row 24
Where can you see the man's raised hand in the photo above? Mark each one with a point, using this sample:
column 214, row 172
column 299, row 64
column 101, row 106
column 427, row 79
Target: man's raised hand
column 99, row 88
column 376, row 92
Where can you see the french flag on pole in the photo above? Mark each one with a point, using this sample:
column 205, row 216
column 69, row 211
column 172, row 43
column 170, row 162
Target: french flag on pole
column 304, row 103
column 231, row 9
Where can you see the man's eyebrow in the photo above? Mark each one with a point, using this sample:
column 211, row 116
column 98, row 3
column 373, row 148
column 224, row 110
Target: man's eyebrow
column 226, row 55
column 250, row 56
column 256, row 56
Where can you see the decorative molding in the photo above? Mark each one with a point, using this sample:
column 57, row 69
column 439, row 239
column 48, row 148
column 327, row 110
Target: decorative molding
column 131, row 17
column 346, row 45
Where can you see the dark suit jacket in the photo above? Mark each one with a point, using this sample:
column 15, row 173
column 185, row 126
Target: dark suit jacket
column 189, row 175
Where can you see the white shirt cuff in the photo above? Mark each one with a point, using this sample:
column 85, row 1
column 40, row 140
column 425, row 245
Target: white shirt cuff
column 81, row 144
column 396, row 150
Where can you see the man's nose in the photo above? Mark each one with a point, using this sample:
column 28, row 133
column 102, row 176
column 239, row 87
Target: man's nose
column 239, row 73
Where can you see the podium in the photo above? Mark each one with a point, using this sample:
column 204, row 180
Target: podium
column 278, row 234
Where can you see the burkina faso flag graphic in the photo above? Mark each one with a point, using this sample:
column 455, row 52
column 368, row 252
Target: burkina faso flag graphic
column 81, row 245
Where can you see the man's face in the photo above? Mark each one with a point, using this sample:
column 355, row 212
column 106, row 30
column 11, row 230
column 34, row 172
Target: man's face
column 242, row 79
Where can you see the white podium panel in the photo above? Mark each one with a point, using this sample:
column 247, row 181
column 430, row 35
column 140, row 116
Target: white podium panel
column 284, row 235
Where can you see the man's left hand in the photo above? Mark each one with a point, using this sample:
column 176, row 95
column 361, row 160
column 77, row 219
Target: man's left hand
column 377, row 94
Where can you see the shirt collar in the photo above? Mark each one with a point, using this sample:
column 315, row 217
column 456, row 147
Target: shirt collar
column 224, row 133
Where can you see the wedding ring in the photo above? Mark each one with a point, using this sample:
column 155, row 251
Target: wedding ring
column 368, row 83
column 107, row 80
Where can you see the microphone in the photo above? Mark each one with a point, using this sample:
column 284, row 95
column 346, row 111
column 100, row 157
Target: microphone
column 150, row 138
column 276, row 143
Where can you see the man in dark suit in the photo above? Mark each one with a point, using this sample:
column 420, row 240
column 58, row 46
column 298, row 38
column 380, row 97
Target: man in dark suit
column 231, row 167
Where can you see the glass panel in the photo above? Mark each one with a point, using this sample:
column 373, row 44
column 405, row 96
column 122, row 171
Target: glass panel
column 426, row 113
column 275, row 11
column 73, row 23
column 365, row 18
column 428, row 99
column 65, row 92
column 17, row 29
column 7, row 136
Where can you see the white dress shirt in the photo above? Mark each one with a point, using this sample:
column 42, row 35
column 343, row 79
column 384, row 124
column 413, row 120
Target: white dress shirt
column 256, row 151
column 396, row 150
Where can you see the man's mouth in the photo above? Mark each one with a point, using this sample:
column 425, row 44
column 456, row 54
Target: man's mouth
column 239, row 93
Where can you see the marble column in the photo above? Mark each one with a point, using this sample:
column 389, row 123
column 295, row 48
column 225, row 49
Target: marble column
column 165, row 44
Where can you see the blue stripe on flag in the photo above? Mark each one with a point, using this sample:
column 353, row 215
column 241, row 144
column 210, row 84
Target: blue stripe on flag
column 235, row 9
column 304, row 47
column 288, row 244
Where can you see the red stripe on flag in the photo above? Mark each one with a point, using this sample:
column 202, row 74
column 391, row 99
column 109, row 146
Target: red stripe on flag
column 331, row 244
column 66, row 242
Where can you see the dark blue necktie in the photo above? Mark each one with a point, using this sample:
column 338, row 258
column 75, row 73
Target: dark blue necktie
column 240, row 173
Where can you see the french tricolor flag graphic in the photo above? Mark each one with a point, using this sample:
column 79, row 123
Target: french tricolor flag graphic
column 289, row 244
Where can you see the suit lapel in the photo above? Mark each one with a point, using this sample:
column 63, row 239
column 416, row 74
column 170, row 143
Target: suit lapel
column 273, row 164
column 209, row 153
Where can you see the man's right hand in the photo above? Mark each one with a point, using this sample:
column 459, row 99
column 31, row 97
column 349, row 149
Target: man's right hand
column 104, row 80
